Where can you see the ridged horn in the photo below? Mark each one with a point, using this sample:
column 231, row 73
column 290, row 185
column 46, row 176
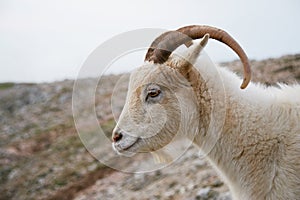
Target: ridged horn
column 162, row 47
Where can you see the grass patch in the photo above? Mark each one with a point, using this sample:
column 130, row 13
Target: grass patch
column 4, row 173
column 4, row 86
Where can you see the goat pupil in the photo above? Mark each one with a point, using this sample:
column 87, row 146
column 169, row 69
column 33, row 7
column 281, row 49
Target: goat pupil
column 154, row 93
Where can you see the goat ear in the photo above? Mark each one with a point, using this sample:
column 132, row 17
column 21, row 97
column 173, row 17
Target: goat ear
column 184, row 65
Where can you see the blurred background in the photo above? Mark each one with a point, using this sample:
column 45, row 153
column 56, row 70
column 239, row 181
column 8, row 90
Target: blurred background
column 43, row 45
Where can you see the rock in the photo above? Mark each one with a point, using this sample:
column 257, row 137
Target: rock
column 225, row 196
column 169, row 193
column 199, row 163
column 207, row 194
column 217, row 183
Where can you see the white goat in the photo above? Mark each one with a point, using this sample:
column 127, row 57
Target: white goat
column 257, row 151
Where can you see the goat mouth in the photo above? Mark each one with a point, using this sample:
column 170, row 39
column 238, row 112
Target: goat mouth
column 121, row 149
column 127, row 148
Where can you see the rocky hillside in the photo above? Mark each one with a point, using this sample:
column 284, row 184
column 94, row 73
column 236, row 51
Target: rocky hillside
column 42, row 157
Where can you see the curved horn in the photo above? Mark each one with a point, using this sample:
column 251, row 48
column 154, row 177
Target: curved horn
column 154, row 45
column 165, row 44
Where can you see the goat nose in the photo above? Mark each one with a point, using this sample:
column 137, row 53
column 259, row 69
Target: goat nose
column 117, row 136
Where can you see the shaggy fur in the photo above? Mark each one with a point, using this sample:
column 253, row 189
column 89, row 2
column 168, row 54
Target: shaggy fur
column 251, row 136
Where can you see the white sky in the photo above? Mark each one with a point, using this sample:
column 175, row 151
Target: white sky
column 49, row 40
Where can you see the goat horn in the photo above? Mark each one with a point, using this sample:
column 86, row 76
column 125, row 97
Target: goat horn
column 165, row 44
column 154, row 45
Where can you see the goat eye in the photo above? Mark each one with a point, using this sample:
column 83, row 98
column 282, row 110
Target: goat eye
column 153, row 93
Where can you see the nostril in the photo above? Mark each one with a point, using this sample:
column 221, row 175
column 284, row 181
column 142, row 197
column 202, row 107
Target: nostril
column 117, row 136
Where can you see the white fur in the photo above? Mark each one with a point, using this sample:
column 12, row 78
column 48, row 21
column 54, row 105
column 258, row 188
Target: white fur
column 257, row 149
column 263, row 114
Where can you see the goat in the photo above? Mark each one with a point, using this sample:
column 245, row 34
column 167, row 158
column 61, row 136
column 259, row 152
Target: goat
column 257, row 148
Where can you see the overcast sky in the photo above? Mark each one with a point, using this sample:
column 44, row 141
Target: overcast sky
column 50, row 40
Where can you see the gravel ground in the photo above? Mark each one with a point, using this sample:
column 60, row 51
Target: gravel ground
column 42, row 157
